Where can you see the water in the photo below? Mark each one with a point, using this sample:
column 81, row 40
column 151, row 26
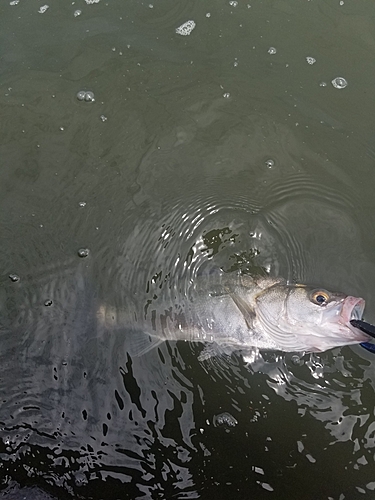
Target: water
column 190, row 153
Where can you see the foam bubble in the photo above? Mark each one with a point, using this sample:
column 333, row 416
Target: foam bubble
column 186, row 28
column 270, row 163
column 83, row 252
column 339, row 82
column 87, row 96
column 224, row 420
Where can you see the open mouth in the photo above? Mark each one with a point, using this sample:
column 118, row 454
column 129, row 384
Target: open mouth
column 357, row 311
column 352, row 309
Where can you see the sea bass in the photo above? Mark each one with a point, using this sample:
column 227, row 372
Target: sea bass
column 240, row 313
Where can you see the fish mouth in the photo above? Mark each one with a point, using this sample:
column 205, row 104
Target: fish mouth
column 352, row 308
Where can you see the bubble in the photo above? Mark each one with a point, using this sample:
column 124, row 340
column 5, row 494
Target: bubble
column 224, row 420
column 186, row 28
column 233, row 3
column 297, row 360
column 103, row 118
column 272, row 50
column 89, row 96
column 14, row 2
column 14, row 277
column 310, row 60
column 83, row 252
column 339, row 82
column 77, row 13
column 86, row 95
column 43, row 9
column 82, row 203
column 48, row 302
column 90, row 2
column 323, row 84
column 270, row 163
column 150, row 6
column 208, row 14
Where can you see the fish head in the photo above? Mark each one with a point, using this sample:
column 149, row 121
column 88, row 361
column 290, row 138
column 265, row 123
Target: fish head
column 302, row 318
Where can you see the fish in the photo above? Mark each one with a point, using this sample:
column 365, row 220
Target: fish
column 239, row 313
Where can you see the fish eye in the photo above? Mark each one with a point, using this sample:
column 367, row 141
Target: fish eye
column 319, row 297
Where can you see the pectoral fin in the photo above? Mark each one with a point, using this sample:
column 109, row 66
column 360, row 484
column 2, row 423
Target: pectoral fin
column 244, row 308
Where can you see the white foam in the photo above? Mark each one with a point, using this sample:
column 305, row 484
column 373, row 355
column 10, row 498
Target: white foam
column 186, row 28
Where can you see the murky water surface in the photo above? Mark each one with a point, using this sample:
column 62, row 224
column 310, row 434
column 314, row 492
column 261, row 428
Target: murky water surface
column 144, row 145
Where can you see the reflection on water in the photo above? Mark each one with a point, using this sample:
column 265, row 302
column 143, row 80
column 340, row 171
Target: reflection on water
column 83, row 414
column 199, row 154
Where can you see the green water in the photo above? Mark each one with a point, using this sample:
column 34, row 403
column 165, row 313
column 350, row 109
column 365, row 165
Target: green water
column 225, row 147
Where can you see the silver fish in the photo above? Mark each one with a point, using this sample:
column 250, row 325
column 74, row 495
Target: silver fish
column 240, row 313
